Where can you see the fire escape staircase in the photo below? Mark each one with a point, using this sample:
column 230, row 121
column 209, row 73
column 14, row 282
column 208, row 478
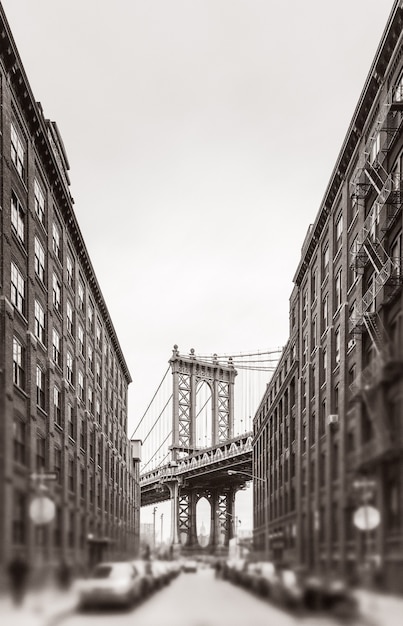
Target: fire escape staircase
column 372, row 183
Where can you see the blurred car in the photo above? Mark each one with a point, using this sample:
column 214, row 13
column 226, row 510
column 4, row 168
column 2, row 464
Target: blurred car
column 160, row 572
column 287, row 589
column 263, row 577
column 116, row 583
column 147, row 581
column 330, row 595
column 234, row 569
column 189, row 565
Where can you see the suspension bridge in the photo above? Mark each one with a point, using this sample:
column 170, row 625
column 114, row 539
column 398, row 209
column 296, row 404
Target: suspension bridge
column 197, row 438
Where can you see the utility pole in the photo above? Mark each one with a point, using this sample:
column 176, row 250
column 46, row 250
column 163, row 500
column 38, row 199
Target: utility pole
column 162, row 527
column 154, row 512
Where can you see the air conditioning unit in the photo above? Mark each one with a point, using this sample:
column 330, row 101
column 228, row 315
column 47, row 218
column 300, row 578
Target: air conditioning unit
column 333, row 418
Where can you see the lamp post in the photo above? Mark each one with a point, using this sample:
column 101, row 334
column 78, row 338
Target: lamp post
column 266, row 508
column 235, row 527
column 154, row 512
column 162, row 526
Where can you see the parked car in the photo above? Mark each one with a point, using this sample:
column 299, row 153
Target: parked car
column 264, row 578
column 189, row 565
column 112, row 583
column 160, row 572
column 146, row 577
column 330, row 595
column 233, row 570
column 287, row 589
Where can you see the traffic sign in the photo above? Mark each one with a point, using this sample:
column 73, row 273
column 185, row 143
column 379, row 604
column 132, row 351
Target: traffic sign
column 42, row 510
column 366, row 518
column 44, row 476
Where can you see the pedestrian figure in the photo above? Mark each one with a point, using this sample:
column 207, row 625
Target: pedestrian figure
column 18, row 574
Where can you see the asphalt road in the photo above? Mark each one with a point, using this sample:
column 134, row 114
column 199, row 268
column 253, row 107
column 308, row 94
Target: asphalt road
column 197, row 600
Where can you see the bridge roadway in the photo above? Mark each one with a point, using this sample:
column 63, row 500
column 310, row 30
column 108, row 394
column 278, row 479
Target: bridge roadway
column 201, row 469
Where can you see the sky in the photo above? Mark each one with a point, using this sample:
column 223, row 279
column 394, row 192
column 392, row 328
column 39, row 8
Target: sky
column 201, row 136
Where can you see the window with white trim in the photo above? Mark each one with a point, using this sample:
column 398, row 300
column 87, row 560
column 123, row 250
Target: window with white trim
column 17, row 151
column 57, row 293
column 18, row 363
column 40, row 387
column 70, row 270
column 338, row 233
column 81, row 386
column 17, row 289
column 337, row 345
column 56, row 347
column 70, row 317
column 80, row 295
column 57, row 405
column 57, row 241
column 338, row 296
column 69, row 368
column 39, row 202
column 39, row 260
column 80, row 339
column 17, row 218
column 40, row 329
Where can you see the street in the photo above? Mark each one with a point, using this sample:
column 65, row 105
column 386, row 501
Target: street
column 197, row 600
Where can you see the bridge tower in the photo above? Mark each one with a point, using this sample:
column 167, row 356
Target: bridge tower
column 188, row 373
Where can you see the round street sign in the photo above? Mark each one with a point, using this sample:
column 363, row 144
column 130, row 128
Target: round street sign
column 366, row 517
column 42, row 510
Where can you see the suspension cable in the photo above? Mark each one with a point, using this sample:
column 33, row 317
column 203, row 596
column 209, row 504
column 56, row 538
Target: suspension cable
column 152, row 400
column 157, row 420
column 156, row 452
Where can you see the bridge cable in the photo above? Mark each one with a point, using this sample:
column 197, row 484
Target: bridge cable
column 157, row 420
column 152, row 400
column 151, row 458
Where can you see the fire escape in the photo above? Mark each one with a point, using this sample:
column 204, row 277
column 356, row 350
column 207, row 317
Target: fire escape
column 374, row 187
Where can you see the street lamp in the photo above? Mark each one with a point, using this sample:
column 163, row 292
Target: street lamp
column 154, row 512
column 266, row 508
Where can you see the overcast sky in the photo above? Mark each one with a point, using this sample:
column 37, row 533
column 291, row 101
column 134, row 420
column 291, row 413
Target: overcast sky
column 201, row 136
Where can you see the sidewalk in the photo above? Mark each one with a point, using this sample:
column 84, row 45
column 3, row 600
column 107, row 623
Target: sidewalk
column 40, row 608
column 379, row 609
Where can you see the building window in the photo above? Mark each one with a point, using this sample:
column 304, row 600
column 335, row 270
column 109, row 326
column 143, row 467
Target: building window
column 304, row 349
column 90, row 353
column 39, row 260
column 19, row 518
column 98, row 411
column 98, row 373
column 70, row 474
column 375, row 147
column 17, row 218
column 56, row 241
column 337, row 290
column 71, row 427
column 99, row 334
column 39, row 202
column 325, row 260
column 81, row 386
column 57, row 406
column 337, row 345
column 80, row 295
column 58, row 463
column 57, row 293
column 314, row 332
column 81, row 339
column 17, row 151
column 314, row 281
column 40, row 452
column 19, row 441
column 304, row 304
column 17, row 289
column 338, row 233
column 40, row 387
column 90, row 400
column 322, row 421
column 70, row 270
column 56, row 348
column 70, row 318
column 40, row 331
column 18, row 363
column 83, row 435
column 90, row 317
column 69, row 368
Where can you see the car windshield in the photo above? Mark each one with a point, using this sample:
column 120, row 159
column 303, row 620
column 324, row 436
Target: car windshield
column 111, row 571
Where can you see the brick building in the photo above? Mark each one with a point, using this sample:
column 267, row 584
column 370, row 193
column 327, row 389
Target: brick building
column 63, row 376
column 328, row 435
